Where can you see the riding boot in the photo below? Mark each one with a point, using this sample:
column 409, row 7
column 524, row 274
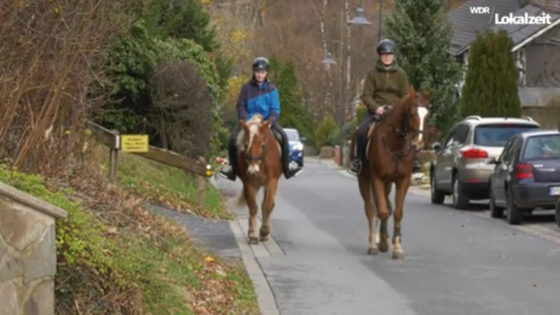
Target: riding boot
column 416, row 164
column 361, row 142
column 286, row 157
column 285, row 145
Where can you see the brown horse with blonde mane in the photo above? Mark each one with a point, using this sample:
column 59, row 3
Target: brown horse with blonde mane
column 260, row 165
column 390, row 156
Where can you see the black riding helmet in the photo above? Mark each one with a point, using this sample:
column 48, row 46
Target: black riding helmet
column 386, row 46
column 260, row 63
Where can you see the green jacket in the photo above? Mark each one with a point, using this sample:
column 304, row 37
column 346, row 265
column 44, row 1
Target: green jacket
column 384, row 86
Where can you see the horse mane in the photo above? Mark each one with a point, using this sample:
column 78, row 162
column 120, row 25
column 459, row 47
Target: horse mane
column 254, row 123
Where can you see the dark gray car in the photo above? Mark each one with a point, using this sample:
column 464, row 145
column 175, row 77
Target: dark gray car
column 526, row 175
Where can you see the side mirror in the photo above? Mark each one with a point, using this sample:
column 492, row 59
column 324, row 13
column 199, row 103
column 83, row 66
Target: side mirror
column 436, row 146
column 493, row 161
column 303, row 139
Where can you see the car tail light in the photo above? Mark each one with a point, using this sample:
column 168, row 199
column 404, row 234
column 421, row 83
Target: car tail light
column 474, row 153
column 524, row 171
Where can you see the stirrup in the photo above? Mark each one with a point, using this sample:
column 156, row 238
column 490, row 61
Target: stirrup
column 355, row 167
column 226, row 172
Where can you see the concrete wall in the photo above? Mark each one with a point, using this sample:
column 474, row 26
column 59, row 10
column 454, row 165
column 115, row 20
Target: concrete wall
column 27, row 253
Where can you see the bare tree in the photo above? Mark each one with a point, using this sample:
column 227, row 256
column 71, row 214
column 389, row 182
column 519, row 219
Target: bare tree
column 182, row 114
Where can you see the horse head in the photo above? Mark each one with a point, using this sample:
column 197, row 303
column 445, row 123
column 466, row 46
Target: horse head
column 416, row 110
column 253, row 143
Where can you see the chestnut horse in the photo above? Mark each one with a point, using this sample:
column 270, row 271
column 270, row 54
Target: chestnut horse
column 259, row 165
column 391, row 154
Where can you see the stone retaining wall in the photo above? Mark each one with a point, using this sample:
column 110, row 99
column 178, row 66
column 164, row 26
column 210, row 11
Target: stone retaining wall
column 27, row 253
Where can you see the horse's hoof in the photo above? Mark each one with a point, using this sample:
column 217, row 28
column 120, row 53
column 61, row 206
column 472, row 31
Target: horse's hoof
column 264, row 233
column 253, row 240
column 373, row 251
column 398, row 255
column 383, row 247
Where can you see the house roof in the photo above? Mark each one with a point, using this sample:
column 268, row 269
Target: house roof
column 466, row 24
column 521, row 34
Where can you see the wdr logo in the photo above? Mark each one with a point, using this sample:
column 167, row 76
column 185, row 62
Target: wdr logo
column 480, row 10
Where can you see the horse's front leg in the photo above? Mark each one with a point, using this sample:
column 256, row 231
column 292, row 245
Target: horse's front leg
column 267, row 207
column 251, row 196
column 402, row 188
column 380, row 193
column 367, row 195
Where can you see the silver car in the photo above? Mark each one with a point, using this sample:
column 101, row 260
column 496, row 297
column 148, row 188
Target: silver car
column 460, row 167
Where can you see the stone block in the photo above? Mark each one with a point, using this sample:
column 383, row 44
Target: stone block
column 326, row 153
column 39, row 259
column 309, row 150
column 41, row 300
column 10, row 263
column 20, row 226
column 8, row 299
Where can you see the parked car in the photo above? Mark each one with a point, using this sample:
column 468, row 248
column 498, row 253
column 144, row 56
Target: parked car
column 296, row 145
column 460, row 167
column 526, row 175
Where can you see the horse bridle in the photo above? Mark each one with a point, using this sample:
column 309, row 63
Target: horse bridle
column 249, row 158
column 406, row 134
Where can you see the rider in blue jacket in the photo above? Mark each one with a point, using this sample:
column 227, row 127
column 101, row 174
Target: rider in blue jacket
column 258, row 96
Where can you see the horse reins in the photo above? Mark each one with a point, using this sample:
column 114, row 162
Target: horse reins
column 262, row 156
column 399, row 155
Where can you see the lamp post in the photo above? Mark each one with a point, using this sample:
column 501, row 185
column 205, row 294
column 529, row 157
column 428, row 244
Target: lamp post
column 358, row 19
column 379, row 31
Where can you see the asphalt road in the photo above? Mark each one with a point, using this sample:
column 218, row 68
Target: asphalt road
column 456, row 262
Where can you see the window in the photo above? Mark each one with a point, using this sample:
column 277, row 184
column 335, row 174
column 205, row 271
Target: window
column 496, row 135
column 292, row 134
column 542, row 147
column 506, row 156
column 462, row 133
column 451, row 137
column 457, row 136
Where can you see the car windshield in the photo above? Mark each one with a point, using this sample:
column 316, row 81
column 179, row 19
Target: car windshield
column 292, row 134
column 497, row 135
column 542, row 147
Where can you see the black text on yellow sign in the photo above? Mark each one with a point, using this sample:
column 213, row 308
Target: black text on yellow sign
column 134, row 143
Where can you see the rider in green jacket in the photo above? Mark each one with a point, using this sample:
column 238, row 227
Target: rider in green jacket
column 384, row 86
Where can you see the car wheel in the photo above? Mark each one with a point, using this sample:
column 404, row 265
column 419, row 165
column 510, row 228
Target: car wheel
column 514, row 214
column 437, row 195
column 495, row 211
column 459, row 198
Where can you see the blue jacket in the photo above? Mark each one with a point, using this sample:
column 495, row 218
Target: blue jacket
column 255, row 99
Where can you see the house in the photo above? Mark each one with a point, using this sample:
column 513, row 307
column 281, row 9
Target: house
column 536, row 45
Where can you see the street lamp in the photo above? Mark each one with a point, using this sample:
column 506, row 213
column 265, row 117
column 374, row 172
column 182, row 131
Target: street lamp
column 358, row 19
column 329, row 59
column 379, row 32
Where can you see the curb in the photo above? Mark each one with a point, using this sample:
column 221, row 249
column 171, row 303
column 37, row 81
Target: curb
column 263, row 291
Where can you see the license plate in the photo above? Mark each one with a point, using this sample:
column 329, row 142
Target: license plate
column 555, row 191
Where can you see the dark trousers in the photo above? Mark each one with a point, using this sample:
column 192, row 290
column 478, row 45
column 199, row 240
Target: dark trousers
column 361, row 140
column 276, row 129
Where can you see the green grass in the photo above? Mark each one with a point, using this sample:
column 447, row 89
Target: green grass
column 159, row 271
column 168, row 185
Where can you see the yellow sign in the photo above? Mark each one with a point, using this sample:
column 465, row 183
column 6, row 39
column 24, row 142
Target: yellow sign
column 134, row 143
